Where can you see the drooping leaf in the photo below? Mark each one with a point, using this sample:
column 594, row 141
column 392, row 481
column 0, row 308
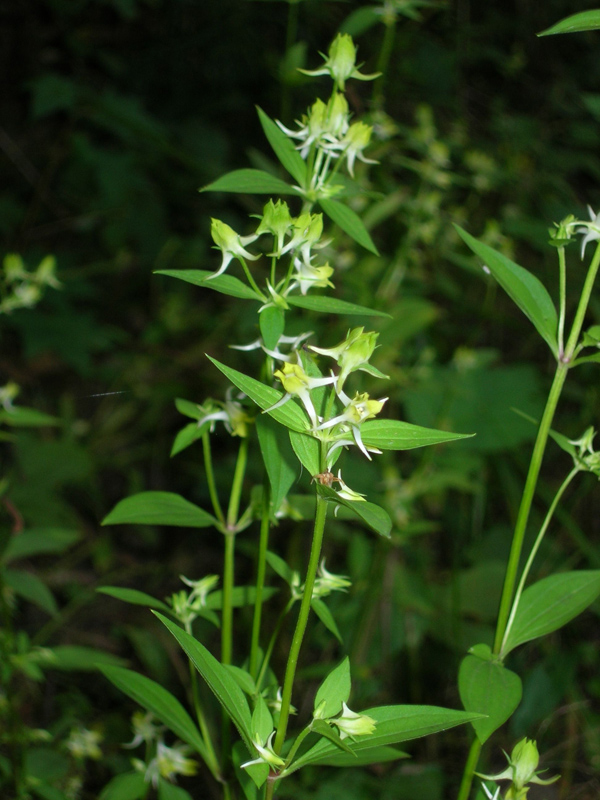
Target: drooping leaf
column 249, row 181
column 290, row 414
column 39, row 541
column 31, row 588
column 158, row 508
column 349, row 221
column 550, row 603
column 278, row 458
column 582, row 21
column 128, row 786
column 391, row 434
column 220, row 682
column 487, row 687
column 283, row 148
column 225, row 284
column 160, row 702
column 527, row 291
column 372, row 515
column 331, row 305
column 394, row 724
column 324, row 614
column 135, row 597
column 334, row 690
column 307, row 449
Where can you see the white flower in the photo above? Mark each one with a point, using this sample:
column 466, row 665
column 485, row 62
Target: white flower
column 266, row 754
column 144, row 729
column 297, row 383
column 590, row 229
column 351, row 724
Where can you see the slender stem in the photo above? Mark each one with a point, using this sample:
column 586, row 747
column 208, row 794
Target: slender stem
column 271, row 645
column 384, row 57
column 210, row 477
column 534, row 550
column 296, row 746
column 251, row 280
column 526, row 501
column 290, row 39
column 583, row 304
column 562, row 301
column 290, row 672
column 260, row 580
column 470, row 766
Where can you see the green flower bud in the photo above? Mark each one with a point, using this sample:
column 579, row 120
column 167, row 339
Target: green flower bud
column 230, row 243
column 341, row 62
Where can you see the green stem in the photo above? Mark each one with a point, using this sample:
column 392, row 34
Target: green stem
column 260, row 580
column 470, row 767
column 296, row 746
column 271, row 645
column 210, row 478
column 290, row 39
column 251, row 280
column 211, row 757
column 582, row 307
column 534, row 550
column 290, row 672
column 563, row 300
column 384, row 58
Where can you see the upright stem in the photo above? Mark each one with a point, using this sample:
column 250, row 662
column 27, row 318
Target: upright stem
column 290, row 672
column 260, row 580
column 562, row 300
column 470, row 766
column 210, row 477
column 382, row 62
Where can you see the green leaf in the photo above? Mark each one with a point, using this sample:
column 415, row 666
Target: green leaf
column 391, row 434
column 394, row 724
column 262, row 721
column 374, row 755
column 187, row 436
column 249, row 181
column 307, row 449
column 324, row 614
column 189, row 409
column 283, row 148
column 525, row 289
column 154, row 698
column 240, row 596
column 280, row 566
column 38, row 541
column 323, row 729
column 550, row 603
column 582, row 21
column 220, row 682
column 129, row 786
column 281, row 466
column 158, row 508
column 349, row 221
column 243, row 679
column 135, row 597
column 331, row 305
column 225, row 284
column 20, row 417
column 290, row 414
column 272, row 325
column 487, row 687
column 78, row 658
column 334, row 690
column 31, row 588
column 372, row 515
column 168, row 791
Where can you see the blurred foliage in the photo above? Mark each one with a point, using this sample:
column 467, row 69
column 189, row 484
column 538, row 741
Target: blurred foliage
column 115, row 112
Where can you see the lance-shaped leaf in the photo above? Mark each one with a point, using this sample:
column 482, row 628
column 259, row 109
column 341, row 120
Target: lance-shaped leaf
column 158, row 508
column 527, row 291
column 222, row 684
column 583, row 21
column 488, row 688
column 349, row 221
column 278, row 457
column 290, row 414
column 154, row 698
column 249, row 181
column 307, row 449
column 135, row 597
column 37, row 541
column 394, row 724
column 550, row 603
column 31, row 588
column 76, row 657
column 372, row 515
column 225, row 284
column 331, row 305
column 391, row 434
column 323, row 612
column 283, row 148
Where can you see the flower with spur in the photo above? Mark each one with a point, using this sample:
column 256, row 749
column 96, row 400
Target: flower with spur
column 231, row 413
column 230, row 243
column 266, row 754
column 356, row 411
column 340, row 63
column 352, row 354
column 591, row 230
column 521, row 770
column 276, row 220
column 350, row 724
column 352, row 145
column 323, row 123
column 307, row 232
column 326, row 582
column 309, row 277
column 297, row 383
column 168, row 763
column 294, row 341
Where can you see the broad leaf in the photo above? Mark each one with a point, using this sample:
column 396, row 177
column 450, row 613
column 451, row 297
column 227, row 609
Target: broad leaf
column 129, row 786
column 307, row 449
column 396, row 435
column 31, row 588
column 349, row 221
column 524, row 288
column 394, row 724
column 324, row 614
column 290, row 414
column 583, row 21
column 75, row 657
column 272, row 324
column 550, row 603
column 281, row 466
column 331, row 305
column 219, row 680
column 135, row 597
column 487, row 687
column 38, row 541
column 283, row 148
column 372, row 515
column 249, row 181
column 158, row 508
column 225, row 284
column 154, row 698
column 334, row 691
column 262, row 721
